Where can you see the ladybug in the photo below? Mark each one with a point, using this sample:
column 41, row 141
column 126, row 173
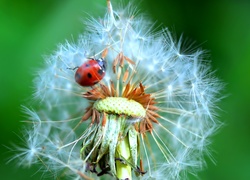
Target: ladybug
column 91, row 72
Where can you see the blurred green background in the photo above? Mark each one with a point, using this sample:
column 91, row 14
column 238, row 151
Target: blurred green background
column 30, row 29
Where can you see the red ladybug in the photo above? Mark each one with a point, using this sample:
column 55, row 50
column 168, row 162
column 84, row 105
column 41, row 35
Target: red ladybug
column 91, row 72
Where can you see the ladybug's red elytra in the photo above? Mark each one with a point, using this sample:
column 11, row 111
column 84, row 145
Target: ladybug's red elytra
column 91, row 72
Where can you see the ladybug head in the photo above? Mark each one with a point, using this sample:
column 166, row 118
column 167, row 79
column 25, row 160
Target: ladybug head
column 102, row 63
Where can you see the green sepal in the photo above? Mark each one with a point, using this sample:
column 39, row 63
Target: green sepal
column 133, row 144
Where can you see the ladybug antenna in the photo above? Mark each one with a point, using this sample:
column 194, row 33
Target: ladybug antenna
column 74, row 68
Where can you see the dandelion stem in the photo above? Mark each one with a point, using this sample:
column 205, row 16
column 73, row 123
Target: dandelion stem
column 122, row 168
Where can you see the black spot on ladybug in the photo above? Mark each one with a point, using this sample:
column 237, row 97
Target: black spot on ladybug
column 87, row 65
column 100, row 71
column 89, row 75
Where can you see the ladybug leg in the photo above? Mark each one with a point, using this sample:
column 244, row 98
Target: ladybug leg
column 121, row 160
column 91, row 167
column 106, row 170
column 138, row 170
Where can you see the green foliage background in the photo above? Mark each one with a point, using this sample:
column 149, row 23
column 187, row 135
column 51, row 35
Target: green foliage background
column 30, row 29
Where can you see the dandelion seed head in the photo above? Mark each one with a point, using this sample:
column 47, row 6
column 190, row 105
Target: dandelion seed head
column 153, row 92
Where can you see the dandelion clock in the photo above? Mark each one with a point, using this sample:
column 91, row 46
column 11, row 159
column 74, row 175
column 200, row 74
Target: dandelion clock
column 123, row 102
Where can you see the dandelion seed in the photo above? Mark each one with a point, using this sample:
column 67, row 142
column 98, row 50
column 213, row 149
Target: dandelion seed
column 148, row 114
